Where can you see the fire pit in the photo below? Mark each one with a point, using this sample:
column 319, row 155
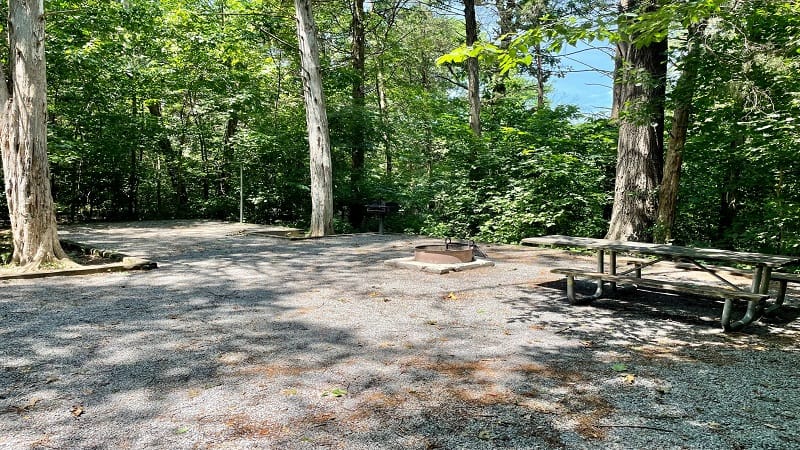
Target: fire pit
column 449, row 253
column 438, row 258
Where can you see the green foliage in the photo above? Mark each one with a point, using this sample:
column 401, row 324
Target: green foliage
column 155, row 107
column 547, row 175
column 741, row 177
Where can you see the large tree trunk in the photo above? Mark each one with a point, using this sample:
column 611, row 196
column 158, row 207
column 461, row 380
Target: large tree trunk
column 23, row 139
column 640, row 149
column 358, row 138
column 673, row 159
column 473, row 69
column 317, row 123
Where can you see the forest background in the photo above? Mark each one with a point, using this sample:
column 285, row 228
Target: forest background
column 160, row 109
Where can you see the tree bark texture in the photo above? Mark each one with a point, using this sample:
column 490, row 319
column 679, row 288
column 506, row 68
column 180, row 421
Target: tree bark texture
column 640, row 148
column 358, row 121
column 473, row 69
column 23, row 139
column 540, row 78
column 316, row 122
column 673, row 159
column 383, row 109
column 617, row 98
column 225, row 167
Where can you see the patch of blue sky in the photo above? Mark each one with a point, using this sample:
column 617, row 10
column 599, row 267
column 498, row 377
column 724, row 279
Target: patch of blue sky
column 586, row 82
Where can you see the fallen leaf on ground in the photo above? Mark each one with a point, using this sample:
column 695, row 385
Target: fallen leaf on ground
column 77, row 410
column 630, row 378
column 194, row 393
column 486, row 435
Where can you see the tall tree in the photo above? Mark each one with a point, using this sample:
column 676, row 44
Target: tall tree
column 23, row 138
column 473, row 68
column 316, row 122
column 640, row 149
column 682, row 94
column 358, row 122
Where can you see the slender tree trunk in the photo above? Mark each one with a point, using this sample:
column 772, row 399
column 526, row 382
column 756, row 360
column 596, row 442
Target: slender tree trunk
column 673, row 159
column 224, row 171
column 133, row 176
column 23, row 139
column 317, row 123
column 540, row 78
column 617, row 97
column 640, row 149
column 506, row 11
column 203, row 158
column 174, row 162
column 358, row 124
column 383, row 109
column 158, row 186
column 473, row 69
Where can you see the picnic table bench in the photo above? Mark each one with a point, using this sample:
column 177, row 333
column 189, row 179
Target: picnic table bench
column 607, row 278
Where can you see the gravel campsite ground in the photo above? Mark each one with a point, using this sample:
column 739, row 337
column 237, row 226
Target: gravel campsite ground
column 242, row 340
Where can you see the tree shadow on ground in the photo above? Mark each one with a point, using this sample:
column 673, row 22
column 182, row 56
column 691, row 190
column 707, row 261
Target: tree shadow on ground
column 243, row 342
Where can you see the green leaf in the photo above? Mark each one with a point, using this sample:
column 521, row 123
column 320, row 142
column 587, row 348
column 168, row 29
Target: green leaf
column 335, row 392
column 619, row 367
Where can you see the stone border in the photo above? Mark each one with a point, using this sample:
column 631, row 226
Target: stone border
column 292, row 234
column 121, row 263
column 409, row 263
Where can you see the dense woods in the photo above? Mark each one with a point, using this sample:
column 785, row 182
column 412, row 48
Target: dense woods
column 155, row 109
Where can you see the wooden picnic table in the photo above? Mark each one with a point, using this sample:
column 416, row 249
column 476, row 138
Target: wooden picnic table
column 608, row 277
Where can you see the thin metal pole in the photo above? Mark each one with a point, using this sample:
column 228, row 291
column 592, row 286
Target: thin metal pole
column 241, row 193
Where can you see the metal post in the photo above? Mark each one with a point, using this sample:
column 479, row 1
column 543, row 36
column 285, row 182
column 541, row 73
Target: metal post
column 241, row 193
column 600, row 269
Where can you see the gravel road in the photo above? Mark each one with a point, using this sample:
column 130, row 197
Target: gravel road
column 241, row 340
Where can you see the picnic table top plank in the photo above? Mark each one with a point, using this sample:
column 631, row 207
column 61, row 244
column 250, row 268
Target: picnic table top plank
column 677, row 251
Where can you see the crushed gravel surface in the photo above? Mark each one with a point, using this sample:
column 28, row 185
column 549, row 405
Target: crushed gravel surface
column 241, row 341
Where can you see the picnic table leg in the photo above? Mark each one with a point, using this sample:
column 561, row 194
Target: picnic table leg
column 760, row 285
column 601, row 268
column 758, row 274
column 766, row 275
column 782, row 284
column 573, row 296
column 751, row 314
column 612, row 263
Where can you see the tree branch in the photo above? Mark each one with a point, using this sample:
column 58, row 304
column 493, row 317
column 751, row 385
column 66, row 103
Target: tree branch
column 461, row 85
